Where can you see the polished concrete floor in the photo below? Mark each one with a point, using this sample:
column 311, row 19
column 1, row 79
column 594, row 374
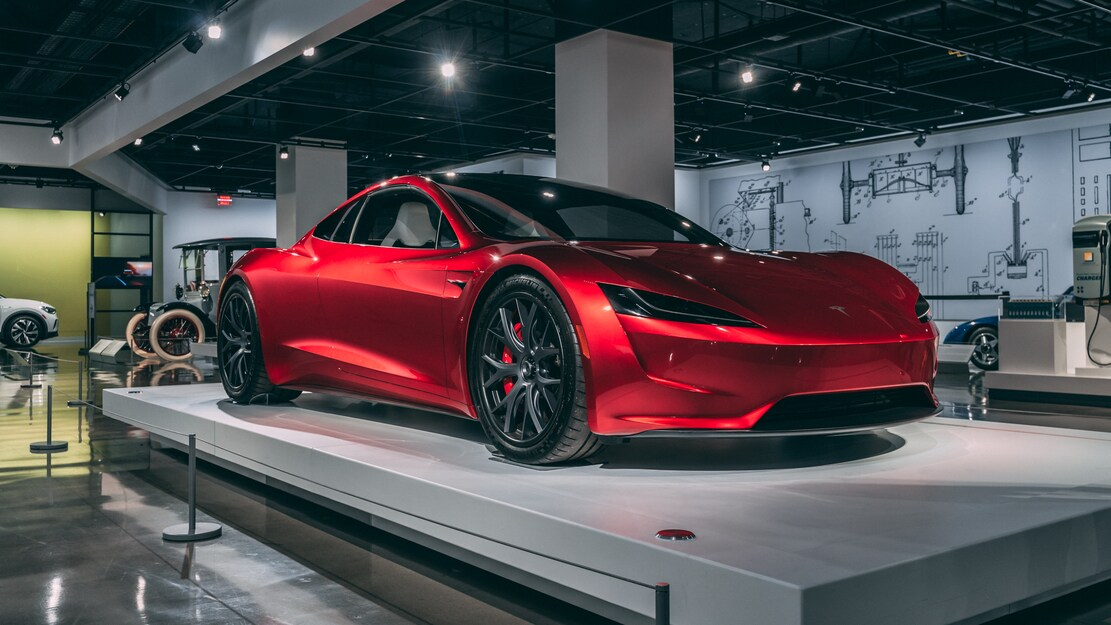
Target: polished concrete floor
column 80, row 531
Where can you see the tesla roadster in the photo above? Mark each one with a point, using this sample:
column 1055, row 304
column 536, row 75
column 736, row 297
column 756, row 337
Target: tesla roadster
column 561, row 316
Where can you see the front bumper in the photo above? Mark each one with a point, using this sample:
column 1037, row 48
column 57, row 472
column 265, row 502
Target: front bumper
column 667, row 378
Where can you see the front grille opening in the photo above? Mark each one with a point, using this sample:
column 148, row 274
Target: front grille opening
column 851, row 409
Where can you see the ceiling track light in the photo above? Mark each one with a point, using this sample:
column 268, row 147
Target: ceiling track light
column 921, row 140
column 309, row 51
column 214, row 29
column 122, row 91
column 57, row 137
column 765, row 165
column 196, row 146
column 447, row 70
column 283, row 153
column 138, row 141
column 193, row 42
column 697, row 137
column 1091, row 95
column 796, row 86
column 746, row 75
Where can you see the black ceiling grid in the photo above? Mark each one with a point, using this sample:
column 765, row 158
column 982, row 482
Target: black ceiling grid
column 863, row 70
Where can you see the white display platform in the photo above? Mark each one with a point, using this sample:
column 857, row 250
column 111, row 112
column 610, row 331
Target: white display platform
column 943, row 521
column 1047, row 360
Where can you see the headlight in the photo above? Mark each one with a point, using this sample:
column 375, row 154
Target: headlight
column 922, row 309
column 49, row 309
column 629, row 301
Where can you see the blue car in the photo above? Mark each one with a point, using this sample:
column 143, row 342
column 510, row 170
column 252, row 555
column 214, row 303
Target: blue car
column 983, row 335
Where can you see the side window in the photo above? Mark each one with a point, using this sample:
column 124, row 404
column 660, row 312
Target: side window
column 399, row 218
column 446, row 238
column 326, row 229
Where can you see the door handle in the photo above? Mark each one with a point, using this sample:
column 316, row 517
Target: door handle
column 459, row 283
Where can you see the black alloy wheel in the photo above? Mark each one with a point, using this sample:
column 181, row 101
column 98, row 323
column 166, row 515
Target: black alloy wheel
column 526, row 378
column 22, row 331
column 238, row 347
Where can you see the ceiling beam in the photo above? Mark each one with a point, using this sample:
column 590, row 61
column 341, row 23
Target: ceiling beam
column 261, row 36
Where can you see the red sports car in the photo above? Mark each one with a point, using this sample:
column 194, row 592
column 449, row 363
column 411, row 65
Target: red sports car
column 561, row 315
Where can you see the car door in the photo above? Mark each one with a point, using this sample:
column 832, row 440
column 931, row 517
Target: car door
column 383, row 294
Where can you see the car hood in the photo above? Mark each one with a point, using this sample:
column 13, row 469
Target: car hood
column 11, row 302
column 848, row 296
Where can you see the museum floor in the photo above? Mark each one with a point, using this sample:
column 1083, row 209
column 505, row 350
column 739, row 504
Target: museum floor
column 80, row 531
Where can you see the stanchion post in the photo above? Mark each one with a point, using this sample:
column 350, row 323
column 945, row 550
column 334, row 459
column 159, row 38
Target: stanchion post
column 192, row 531
column 77, row 403
column 49, row 446
column 30, row 372
column 663, row 603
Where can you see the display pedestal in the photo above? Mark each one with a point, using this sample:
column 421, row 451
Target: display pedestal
column 1047, row 361
column 948, row 517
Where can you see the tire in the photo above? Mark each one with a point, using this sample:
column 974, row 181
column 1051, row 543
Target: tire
column 985, row 348
column 22, row 331
column 239, row 350
column 173, row 333
column 524, row 367
column 138, row 335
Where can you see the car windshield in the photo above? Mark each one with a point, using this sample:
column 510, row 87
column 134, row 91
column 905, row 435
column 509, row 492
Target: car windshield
column 519, row 208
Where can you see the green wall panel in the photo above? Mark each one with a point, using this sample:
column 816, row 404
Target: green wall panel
column 44, row 255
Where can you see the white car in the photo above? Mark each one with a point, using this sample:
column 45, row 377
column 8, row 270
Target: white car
column 25, row 322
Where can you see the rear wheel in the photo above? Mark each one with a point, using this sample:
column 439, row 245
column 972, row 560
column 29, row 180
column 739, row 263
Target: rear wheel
column 173, row 333
column 985, row 348
column 138, row 335
column 526, row 379
column 239, row 349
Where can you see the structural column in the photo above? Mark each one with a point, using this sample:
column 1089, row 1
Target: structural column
column 310, row 183
column 615, row 114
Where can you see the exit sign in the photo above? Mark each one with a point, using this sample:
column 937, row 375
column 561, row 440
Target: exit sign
column 223, row 200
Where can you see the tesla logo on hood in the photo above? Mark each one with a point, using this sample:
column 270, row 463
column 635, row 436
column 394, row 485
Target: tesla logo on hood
column 840, row 309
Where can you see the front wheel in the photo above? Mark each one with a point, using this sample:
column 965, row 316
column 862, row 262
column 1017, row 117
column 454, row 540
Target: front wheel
column 138, row 335
column 173, row 333
column 22, row 331
column 239, row 349
column 985, row 348
column 526, row 378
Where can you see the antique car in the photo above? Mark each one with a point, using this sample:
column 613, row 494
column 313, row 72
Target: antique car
column 168, row 329
column 25, row 322
column 561, row 316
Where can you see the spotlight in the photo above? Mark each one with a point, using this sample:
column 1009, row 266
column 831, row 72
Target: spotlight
column 958, row 111
column 138, row 142
column 57, row 137
column 122, row 91
column 921, row 140
column 193, row 42
column 447, row 70
column 308, row 52
column 283, row 153
column 196, row 147
column 765, row 165
column 746, row 75
column 1091, row 95
column 1071, row 90
column 697, row 137
column 796, row 86
column 214, row 30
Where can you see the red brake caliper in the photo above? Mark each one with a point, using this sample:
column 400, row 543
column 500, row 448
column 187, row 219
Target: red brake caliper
column 507, row 357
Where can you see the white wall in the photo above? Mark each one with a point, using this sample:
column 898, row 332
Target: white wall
column 903, row 206
column 195, row 216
